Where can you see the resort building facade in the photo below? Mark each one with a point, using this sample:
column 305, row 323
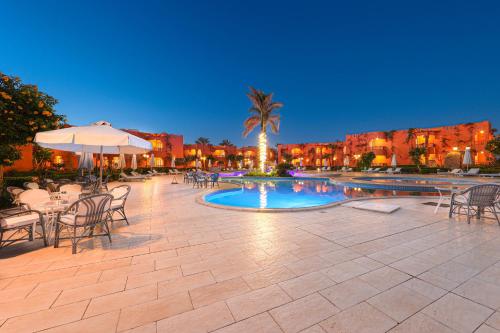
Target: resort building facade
column 444, row 147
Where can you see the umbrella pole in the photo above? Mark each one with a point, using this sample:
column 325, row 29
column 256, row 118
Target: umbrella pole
column 100, row 171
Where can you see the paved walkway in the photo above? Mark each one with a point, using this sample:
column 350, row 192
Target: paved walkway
column 185, row 267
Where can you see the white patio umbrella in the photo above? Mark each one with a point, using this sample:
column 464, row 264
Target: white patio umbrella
column 209, row 164
column 325, row 162
column 197, row 164
column 229, row 164
column 394, row 163
column 133, row 164
column 152, row 161
column 172, row 163
column 467, row 158
column 239, row 165
column 99, row 138
column 121, row 162
column 251, row 164
column 346, row 161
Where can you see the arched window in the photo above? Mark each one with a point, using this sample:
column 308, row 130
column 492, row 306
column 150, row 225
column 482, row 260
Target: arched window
column 157, row 145
column 158, row 162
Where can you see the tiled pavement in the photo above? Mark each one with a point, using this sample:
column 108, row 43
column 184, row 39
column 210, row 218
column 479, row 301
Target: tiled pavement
column 184, row 267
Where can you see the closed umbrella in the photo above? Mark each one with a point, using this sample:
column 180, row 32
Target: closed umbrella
column 467, row 158
column 86, row 161
column 172, row 163
column 99, row 138
column 251, row 164
column 152, row 161
column 121, row 163
column 133, row 165
column 209, row 164
column 197, row 164
column 346, row 161
column 394, row 163
column 325, row 162
column 229, row 164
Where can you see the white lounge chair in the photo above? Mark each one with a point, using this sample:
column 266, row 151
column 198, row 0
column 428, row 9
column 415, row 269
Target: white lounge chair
column 396, row 170
column 471, row 172
column 136, row 174
column 158, row 173
column 452, row 172
column 126, row 178
column 390, row 170
column 367, row 170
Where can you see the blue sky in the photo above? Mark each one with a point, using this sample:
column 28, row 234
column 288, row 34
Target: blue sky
column 184, row 67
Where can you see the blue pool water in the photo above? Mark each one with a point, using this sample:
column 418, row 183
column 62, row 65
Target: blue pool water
column 291, row 193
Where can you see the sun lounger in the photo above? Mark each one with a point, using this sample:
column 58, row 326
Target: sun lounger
column 396, row 170
column 452, row 172
column 489, row 175
column 158, row 173
column 471, row 172
column 126, row 178
column 390, row 170
column 374, row 170
column 136, row 174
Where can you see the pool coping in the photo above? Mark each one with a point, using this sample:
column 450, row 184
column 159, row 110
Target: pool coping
column 200, row 199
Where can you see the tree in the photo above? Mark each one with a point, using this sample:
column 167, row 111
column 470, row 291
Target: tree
column 287, row 157
column 226, row 143
column 493, row 146
column 24, row 111
column 202, row 141
column 40, row 158
column 262, row 109
column 366, row 159
column 410, row 136
column 416, row 154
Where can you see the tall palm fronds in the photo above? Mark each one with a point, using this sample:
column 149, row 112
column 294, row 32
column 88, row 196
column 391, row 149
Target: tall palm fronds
column 262, row 110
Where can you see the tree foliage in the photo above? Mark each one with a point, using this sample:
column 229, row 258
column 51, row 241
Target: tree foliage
column 366, row 159
column 202, row 141
column 416, row 155
column 493, row 146
column 262, row 110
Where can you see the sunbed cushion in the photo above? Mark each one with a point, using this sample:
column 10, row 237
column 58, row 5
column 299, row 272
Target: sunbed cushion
column 19, row 220
column 116, row 203
column 68, row 219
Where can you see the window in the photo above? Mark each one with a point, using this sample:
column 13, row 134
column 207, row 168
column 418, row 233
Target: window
column 58, row 159
column 158, row 162
column 157, row 145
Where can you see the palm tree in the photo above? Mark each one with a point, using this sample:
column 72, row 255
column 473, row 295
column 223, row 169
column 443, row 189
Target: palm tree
column 262, row 110
column 202, row 141
column 226, row 142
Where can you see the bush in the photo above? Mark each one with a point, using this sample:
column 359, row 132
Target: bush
column 282, row 169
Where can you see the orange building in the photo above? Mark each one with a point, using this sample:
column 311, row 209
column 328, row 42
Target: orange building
column 251, row 155
column 314, row 154
column 444, row 146
column 202, row 152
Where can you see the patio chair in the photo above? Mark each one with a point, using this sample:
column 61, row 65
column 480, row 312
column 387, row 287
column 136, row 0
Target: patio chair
column 471, row 172
column 389, row 170
column 452, row 172
column 199, row 180
column 151, row 173
column 175, row 172
column 214, row 180
column 31, row 199
column 30, row 185
column 375, row 170
column 188, row 177
column 13, row 193
column 475, row 200
column 18, row 224
column 120, row 194
column 397, row 170
column 84, row 214
column 126, row 178
column 75, row 188
column 367, row 170
column 104, row 183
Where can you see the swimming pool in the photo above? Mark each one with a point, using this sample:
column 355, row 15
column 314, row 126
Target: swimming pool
column 289, row 193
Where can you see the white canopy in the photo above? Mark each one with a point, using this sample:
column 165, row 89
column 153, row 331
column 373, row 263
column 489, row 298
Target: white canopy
column 394, row 163
column 92, row 139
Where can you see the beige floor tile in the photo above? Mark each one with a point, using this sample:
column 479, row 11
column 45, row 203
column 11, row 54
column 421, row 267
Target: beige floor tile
column 384, row 278
column 399, row 302
column 481, row 292
column 361, row 318
column 303, row 313
column 147, row 328
column 458, row 313
column 45, row 319
column 486, row 329
column 27, row 305
column 90, row 291
column 104, row 323
column 314, row 329
column 121, row 299
column 494, row 320
column 66, row 283
column 308, row 265
column 420, row 323
column 145, row 313
column 140, row 280
column 262, row 323
column 306, row 284
column 125, row 271
column 218, row 291
column 204, row 319
column 268, row 277
column 438, row 281
column 349, row 293
column 258, row 301
column 345, row 271
column 184, row 283
column 12, row 294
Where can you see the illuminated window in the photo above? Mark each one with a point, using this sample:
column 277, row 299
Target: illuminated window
column 158, row 162
column 157, row 145
column 219, row 153
column 116, row 161
column 58, row 159
column 296, row 151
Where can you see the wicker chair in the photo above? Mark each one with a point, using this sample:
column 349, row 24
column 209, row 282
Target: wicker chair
column 31, row 185
column 475, row 200
column 120, row 194
column 14, row 192
column 214, row 180
column 19, row 224
column 84, row 214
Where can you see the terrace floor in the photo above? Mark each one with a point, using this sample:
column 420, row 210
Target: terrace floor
column 184, row 267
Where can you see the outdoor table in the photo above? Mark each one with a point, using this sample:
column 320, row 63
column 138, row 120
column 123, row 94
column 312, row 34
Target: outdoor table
column 51, row 208
column 442, row 196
